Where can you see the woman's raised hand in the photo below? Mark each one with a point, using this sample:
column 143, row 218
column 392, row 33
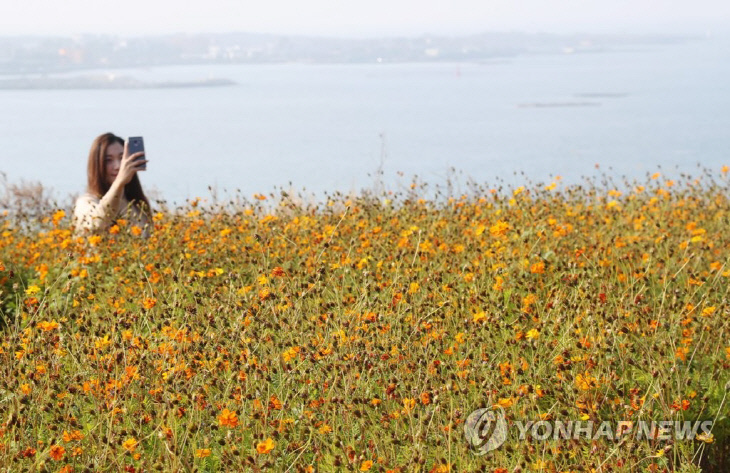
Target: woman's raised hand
column 130, row 164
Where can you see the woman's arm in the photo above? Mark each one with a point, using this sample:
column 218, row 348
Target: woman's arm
column 96, row 215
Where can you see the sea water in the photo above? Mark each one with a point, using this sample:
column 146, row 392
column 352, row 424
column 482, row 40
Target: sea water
column 324, row 128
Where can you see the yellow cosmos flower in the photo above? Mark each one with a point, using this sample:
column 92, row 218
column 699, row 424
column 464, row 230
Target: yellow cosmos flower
column 130, row 444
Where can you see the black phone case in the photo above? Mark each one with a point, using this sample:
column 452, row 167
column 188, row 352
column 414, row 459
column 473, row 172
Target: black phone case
column 136, row 144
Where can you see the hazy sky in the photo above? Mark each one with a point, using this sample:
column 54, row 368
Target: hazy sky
column 361, row 17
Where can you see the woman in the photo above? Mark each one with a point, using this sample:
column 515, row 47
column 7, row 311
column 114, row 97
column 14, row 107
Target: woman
column 113, row 190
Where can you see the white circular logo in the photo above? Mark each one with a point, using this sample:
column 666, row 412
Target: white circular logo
column 486, row 429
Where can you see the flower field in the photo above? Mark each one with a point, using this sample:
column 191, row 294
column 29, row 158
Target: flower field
column 359, row 333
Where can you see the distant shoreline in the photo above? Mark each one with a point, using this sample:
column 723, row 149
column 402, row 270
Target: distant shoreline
column 34, row 55
column 108, row 81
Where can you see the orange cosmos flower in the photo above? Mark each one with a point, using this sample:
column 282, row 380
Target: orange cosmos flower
column 585, row 381
column 58, row 216
column 57, row 452
column 682, row 353
column 505, row 402
column 275, row 403
column 47, row 326
column 498, row 283
column 290, row 354
column 28, row 452
column 70, row 436
column 500, row 228
column 266, row 446
column 228, row 419
column 149, row 302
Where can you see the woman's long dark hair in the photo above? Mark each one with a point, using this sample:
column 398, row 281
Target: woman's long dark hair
column 97, row 184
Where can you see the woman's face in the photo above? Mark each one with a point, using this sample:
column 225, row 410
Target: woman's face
column 112, row 161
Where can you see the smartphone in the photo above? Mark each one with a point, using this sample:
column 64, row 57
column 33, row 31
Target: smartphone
column 136, row 144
